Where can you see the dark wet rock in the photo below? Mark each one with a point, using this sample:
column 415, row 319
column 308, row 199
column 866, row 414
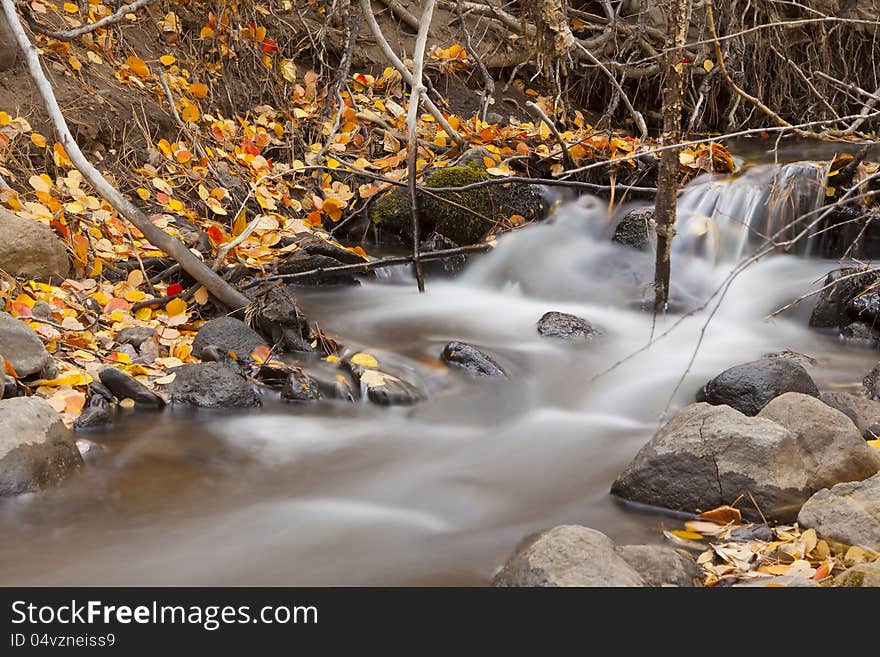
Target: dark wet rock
column 865, row 307
column 634, row 228
column 210, row 385
column 568, row 555
column 30, row 249
column 848, row 512
column 864, row 412
column 88, row 449
column 390, row 213
column 300, row 387
column 36, row 449
column 751, row 533
column 707, row 456
column 843, row 285
column 861, row 334
column 872, row 432
column 660, row 565
column 471, row 359
column 228, row 335
column 863, row 575
column 751, row 386
column 99, row 389
column 22, row 348
column 97, row 414
column 135, row 335
column 447, row 266
column 8, row 387
column 832, row 446
column 275, row 313
column 871, row 383
column 386, row 389
column 124, row 386
column 315, row 253
column 566, row 327
column 334, row 383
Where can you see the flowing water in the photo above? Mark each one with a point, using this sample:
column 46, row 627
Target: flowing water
column 441, row 492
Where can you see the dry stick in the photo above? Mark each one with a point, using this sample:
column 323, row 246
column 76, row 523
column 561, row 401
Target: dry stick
column 566, row 156
column 158, row 237
column 412, row 124
column 757, row 102
column 635, row 114
column 68, row 35
column 367, row 9
column 402, row 14
column 374, row 264
column 488, row 80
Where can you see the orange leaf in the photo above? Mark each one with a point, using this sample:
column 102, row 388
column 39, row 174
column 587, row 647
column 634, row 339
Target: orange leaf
column 198, row 90
column 723, row 515
column 138, row 66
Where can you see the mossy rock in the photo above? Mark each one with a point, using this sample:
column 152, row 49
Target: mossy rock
column 481, row 208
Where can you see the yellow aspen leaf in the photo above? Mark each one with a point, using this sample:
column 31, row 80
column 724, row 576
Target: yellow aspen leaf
column 135, row 295
column 143, row 314
column 201, row 296
column 875, row 444
column 127, row 403
column 75, row 64
column 143, row 193
column 198, row 90
column 41, row 183
column 38, row 140
column 708, row 65
column 138, row 66
column 190, row 114
column 71, row 8
column 165, row 380
column 365, row 360
column 691, row 536
column 167, row 60
column 544, row 130
column 830, row 191
column 288, row 70
column 175, row 307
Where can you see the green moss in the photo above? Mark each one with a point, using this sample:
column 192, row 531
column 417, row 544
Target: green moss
column 473, row 215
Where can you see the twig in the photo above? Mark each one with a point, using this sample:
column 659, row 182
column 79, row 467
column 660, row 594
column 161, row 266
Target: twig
column 412, row 124
column 488, row 80
column 566, row 156
column 68, row 35
column 361, row 267
column 158, row 237
column 405, row 17
column 61, row 327
column 367, row 9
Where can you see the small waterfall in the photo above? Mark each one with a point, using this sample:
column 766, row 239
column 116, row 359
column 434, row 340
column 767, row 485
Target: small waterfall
column 722, row 218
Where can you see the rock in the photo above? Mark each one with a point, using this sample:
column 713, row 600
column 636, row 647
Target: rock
column 448, row 266
column 841, row 286
column 390, row 213
column 275, row 314
column 634, row 228
column 334, row 384
column 833, row 447
column 660, row 565
column 8, row 387
column 871, row 383
column 88, row 449
column 568, row 555
column 751, row 533
column 228, row 334
column 386, row 389
column 863, row 575
column 135, row 335
column 863, row 412
column 22, row 347
column 865, row 306
column 96, row 414
column 299, row 387
column 707, row 456
column 565, row 327
column 43, row 310
column 861, row 334
column 751, row 386
column 124, row 386
column 36, row 449
column 30, row 249
column 848, row 512
column 8, row 46
column 471, row 359
column 210, row 385
column 315, row 253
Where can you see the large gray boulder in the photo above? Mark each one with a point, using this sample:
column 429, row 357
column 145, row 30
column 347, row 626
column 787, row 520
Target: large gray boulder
column 833, row 450
column 210, row 385
column 750, row 386
column 227, row 334
column 712, row 455
column 863, row 575
column 661, row 565
column 568, row 555
column 36, row 449
column 848, row 512
column 29, row 249
column 864, row 412
column 8, row 46
column 22, row 347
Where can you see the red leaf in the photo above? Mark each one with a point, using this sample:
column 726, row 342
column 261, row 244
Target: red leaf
column 174, row 288
column 269, row 46
column 216, row 234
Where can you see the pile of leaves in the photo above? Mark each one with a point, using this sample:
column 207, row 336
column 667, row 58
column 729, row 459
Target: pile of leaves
column 292, row 161
column 760, row 554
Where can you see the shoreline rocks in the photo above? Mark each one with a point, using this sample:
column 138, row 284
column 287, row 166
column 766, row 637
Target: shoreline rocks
column 30, row 249
column 23, row 349
column 847, row 512
column 210, row 385
column 577, row 556
column 36, row 449
column 463, row 356
column 227, row 334
column 564, row 326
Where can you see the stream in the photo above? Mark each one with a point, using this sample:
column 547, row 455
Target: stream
column 441, row 492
